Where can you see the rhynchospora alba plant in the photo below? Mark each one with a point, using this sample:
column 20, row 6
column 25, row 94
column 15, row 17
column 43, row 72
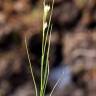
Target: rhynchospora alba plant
column 47, row 28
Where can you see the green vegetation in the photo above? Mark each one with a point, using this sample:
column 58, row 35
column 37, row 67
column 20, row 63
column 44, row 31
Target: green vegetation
column 47, row 28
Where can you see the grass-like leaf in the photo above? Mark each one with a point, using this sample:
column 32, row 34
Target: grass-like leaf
column 45, row 50
column 44, row 60
column 30, row 65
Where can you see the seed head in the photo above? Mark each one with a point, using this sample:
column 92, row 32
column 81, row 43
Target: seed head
column 46, row 10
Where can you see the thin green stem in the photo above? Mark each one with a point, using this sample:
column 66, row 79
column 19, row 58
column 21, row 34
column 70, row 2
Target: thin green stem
column 42, row 51
column 48, row 28
column 46, row 73
column 31, row 69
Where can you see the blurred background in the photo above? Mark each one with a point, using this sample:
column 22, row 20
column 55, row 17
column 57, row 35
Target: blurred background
column 73, row 47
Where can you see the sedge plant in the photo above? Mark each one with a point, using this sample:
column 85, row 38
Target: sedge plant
column 46, row 35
